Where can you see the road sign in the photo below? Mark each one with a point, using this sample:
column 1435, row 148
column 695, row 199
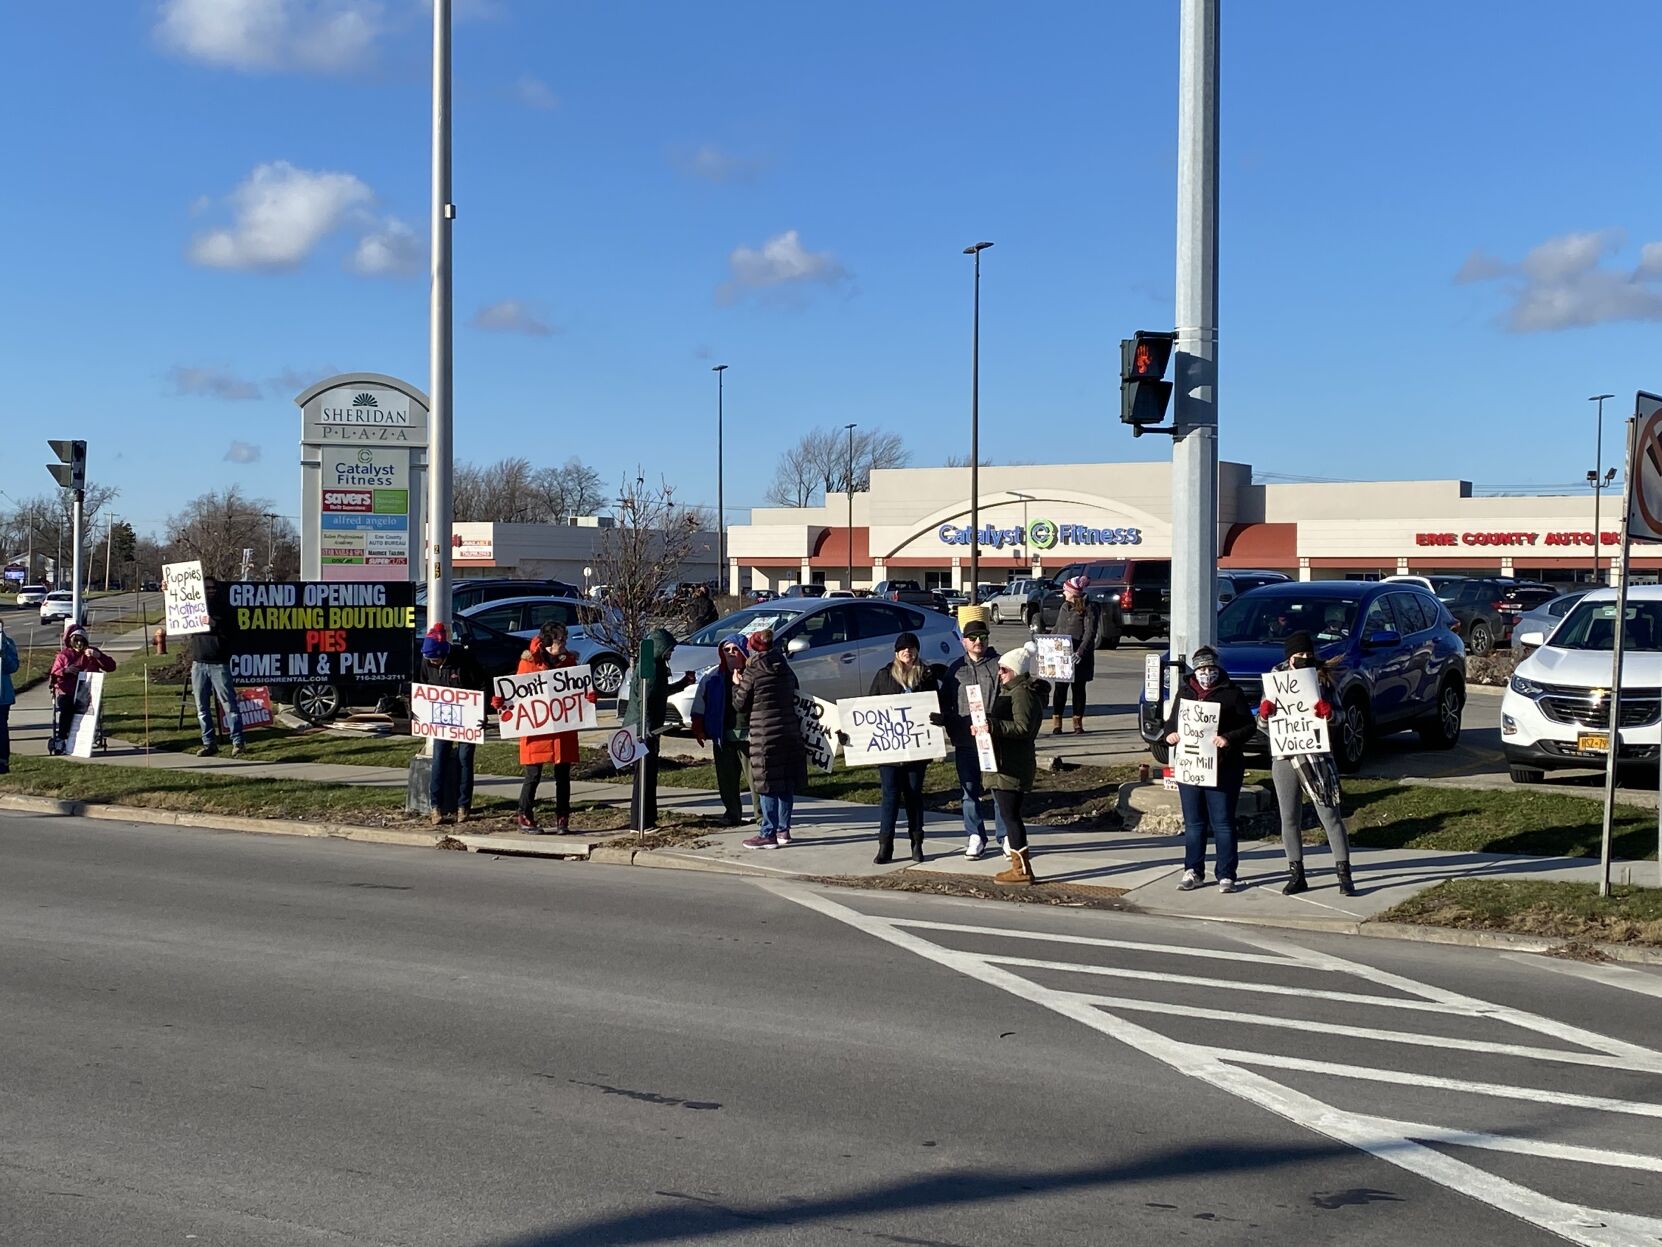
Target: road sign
column 1644, row 521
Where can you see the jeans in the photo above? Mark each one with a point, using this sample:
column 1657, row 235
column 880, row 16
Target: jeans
column 1212, row 810
column 63, row 717
column 207, row 681
column 1289, row 796
column 902, row 784
column 972, row 790
column 731, row 759
column 1008, row 802
column 1059, row 697
column 562, row 789
column 450, row 785
column 6, row 735
column 775, row 811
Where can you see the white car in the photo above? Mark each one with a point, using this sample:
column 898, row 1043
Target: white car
column 59, row 604
column 32, row 595
column 1556, row 711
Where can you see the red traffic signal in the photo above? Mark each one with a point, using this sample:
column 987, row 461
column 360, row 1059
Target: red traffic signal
column 1143, row 391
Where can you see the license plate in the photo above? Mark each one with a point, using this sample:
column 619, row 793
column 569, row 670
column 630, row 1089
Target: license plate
column 1592, row 742
column 1137, row 617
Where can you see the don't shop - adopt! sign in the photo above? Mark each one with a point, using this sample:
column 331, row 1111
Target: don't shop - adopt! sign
column 886, row 730
column 443, row 712
column 539, row 702
column 1294, row 727
column 1195, row 757
column 184, row 598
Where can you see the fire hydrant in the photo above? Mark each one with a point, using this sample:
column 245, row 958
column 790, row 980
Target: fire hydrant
column 159, row 639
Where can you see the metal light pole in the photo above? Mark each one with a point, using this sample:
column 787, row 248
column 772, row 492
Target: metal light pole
column 1598, row 481
column 440, row 466
column 850, row 585
column 109, row 549
column 975, row 249
column 721, row 465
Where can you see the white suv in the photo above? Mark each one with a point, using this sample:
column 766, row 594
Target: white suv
column 1556, row 712
column 59, row 604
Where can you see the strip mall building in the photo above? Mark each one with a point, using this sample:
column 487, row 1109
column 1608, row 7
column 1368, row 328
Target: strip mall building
column 914, row 524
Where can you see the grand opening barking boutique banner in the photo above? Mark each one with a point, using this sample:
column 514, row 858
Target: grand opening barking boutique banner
column 316, row 631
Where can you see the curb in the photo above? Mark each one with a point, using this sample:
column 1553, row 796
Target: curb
column 1503, row 939
column 219, row 822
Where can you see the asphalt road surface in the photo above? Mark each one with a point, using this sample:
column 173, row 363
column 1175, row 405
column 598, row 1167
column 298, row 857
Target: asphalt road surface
column 243, row 1040
column 22, row 623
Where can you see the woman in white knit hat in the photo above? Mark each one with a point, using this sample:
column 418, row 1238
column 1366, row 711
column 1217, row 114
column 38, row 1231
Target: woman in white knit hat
column 1014, row 722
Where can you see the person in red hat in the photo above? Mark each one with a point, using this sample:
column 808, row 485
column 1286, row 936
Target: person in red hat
column 1079, row 621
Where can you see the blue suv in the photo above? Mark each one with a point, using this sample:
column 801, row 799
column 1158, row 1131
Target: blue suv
column 1391, row 648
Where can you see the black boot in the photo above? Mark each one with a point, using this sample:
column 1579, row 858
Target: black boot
column 1346, row 887
column 917, row 846
column 885, row 850
column 1295, row 880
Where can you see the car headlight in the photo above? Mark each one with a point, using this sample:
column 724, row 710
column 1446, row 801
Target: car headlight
column 1525, row 687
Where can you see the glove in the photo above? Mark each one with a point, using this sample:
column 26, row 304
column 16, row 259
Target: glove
column 1266, row 708
column 592, row 696
column 497, row 703
column 937, row 719
column 842, row 738
column 1323, row 710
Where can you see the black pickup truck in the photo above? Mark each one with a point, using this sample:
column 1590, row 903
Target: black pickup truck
column 909, row 592
column 1134, row 594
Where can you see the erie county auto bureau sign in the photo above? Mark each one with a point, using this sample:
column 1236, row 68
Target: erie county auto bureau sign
column 1040, row 535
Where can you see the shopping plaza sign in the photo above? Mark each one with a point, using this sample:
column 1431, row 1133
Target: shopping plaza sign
column 1040, row 535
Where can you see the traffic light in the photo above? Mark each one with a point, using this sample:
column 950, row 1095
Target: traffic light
column 71, row 472
column 1144, row 392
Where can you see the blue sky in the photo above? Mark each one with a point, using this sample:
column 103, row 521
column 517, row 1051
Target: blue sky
column 1434, row 230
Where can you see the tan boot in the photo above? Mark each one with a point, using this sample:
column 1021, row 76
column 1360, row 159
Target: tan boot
column 1056, row 725
column 461, row 814
column 434, row 817
column 1021, row 869
column 1078, row 725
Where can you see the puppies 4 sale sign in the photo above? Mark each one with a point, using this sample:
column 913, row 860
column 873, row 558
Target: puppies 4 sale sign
column 560, row 699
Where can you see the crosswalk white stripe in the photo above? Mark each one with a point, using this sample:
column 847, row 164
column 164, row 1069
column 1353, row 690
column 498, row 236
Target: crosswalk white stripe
column 1579, row 1224
column 1596, row 1059
column 1624, row 977
column 1089, row 941
column 1405, row 1078
column 1573, row 1152
column 1239, row 985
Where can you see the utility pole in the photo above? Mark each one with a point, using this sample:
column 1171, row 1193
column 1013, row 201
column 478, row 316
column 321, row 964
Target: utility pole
column 849, row 585
column 721, row 464
column 270, row 545
column 1194, row 565
column 1598, row 481
column 975, row 249
column 109, row 550
column 440, row 466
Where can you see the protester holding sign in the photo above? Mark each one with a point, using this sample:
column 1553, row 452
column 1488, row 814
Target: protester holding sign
column 210, row 676
column 766, row 693
column 655, row 686
column 557, row 749
column 903, row 781
column 1212, row 810
column 978, row 668
column 1314, row 775
column 1014, row 724
column 715, row 719
column 450, row 783
column 76, row 656
column 1079, row 621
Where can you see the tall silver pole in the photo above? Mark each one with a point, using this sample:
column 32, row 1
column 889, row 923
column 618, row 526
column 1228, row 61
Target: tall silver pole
column 75, row 563
column 1618, row 644
column 721, row 467
column 1194, row 565
column 109, row 549
column 1598, row 485
column 975, row 249
column 439, row 452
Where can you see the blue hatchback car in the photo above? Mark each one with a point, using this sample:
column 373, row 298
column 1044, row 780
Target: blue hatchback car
column 1391, row 647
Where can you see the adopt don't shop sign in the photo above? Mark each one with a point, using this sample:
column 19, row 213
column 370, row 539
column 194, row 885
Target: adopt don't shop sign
column 556, row 700
column 1294, row 727
column 886, row 730
column 445, row 713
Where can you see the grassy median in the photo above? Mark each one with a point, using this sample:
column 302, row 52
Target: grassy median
column 1568, row 911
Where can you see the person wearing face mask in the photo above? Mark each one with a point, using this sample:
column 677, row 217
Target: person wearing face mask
column 1313, row 775
column 715, row 719
column 1212, row 810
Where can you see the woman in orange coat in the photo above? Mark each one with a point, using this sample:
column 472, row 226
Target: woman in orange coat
column 558, row 749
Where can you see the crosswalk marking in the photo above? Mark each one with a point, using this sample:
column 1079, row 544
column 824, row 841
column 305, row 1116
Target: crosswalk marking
column 1624, row 977
column 1411, row 1146
column 1092, row 941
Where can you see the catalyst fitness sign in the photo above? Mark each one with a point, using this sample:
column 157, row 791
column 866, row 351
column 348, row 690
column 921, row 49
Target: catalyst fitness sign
column 1041, row 535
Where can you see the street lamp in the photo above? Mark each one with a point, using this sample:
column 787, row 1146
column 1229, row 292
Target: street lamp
column 1598, row 481
column 975, row 249
column 721, row 459
column 270, row 545
column 849, row 584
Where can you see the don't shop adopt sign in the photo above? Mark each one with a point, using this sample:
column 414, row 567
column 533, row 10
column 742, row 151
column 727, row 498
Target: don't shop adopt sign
column 886, row 730
column 560, row 699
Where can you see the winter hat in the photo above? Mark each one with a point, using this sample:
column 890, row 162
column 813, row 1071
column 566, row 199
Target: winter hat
column 437, row 645
column 906, row 640
column 761, row 640
column 71, row 632
column 977, row 628
column 1205, row 656
column 1299, row 643
column 1077, row 584
column 1018, row 661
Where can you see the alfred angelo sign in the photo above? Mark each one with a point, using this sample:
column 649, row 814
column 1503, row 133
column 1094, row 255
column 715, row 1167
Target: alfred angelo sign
column 1040, row 535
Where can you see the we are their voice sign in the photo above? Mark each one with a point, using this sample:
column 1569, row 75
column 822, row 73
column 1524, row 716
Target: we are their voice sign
column 559, row 699
column 446, row 713
column 184, row 598
column 885, row 730
column 1294, row 727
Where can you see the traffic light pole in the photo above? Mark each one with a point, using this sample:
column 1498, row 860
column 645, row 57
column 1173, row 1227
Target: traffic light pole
column 75, row 561
column 1194, row 397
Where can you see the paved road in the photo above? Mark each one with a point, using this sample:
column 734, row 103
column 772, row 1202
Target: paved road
column 22, row 623
column 223, row 1039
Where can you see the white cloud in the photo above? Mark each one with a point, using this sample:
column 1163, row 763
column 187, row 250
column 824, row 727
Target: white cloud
column 512, row 316
column 242, row 452
column 535, row 93
column 318, row 36
column 779, row 267
column 392, row 249
column 280, row 214
column 711, row 163
column 211, row 383
column 292, row 381
column 1564, row 283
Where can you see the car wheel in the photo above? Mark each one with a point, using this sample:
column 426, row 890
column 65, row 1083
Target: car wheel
column 317, row 703
column 1526, row 775
column 1160, row 751
column 1352, row 733
column 608, row 676
column 1108, row 635
column 1443, row 731
column 992, row 612
column 1482, row 640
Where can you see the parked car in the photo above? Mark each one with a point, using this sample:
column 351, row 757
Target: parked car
column 985, row 593
column 32, row 595
column 1522, row 596
column 953, row 598
column 468, row 593
column 1232, row 584
column 1543, row 619
column 804, row 591
column 1396, row 660
column 150, row 586
column 1135, row 596
column 1475, row 605
column 908, row 591
column 1432, row 584
column 524, row 617
column 760, row 595
column 1018, row 601
column 59, row 604
column 1555, row 713
column 836, row 646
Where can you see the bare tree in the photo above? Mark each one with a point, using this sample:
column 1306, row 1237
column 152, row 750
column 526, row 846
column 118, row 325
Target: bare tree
column 821, row 462
column 217, row 527
column 963, row 461
column 511, row 491
column 46, row 523
column 639, row 558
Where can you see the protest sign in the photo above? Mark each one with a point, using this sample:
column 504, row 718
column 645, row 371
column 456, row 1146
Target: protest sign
column 819, row 723
column 625, row 748
column 253, row 704
column 444, row 712
column 89, row 698
column 317, row 632
column 558, row 699
column 886, row 730
column 1294, row 727
column 184, row 599
column 1195, row 756
column 1055, row 658
column 983, row 735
